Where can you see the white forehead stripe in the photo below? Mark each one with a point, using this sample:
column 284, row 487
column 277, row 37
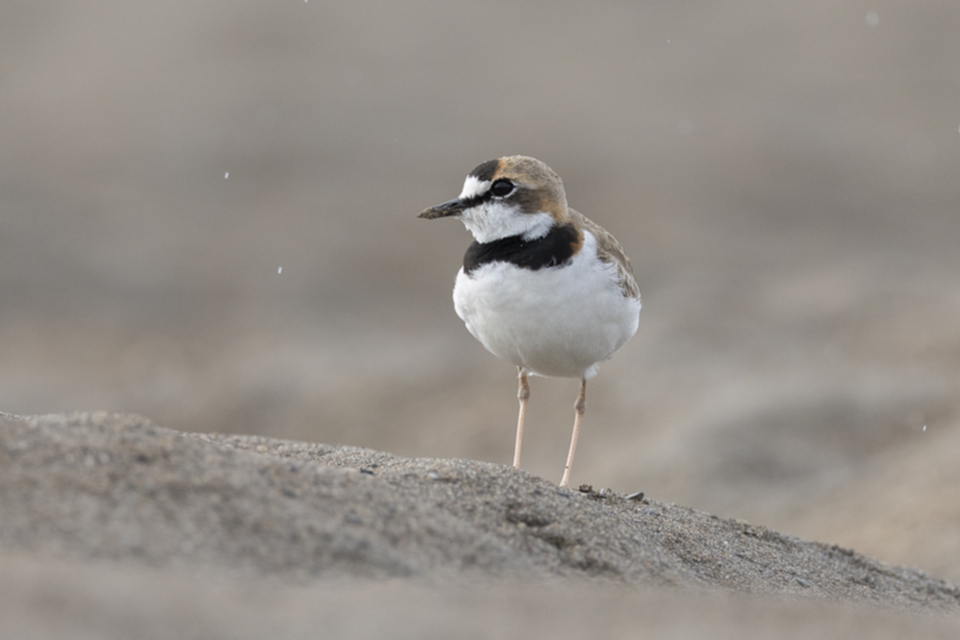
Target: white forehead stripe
column 473, row 187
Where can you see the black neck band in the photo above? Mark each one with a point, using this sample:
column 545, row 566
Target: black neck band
column 552, row 250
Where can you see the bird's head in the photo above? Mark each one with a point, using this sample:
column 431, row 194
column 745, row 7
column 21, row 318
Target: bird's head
column 510, row 196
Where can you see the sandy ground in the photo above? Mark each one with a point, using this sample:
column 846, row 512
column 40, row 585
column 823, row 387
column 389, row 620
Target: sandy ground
column 46, row 600
column 207, row 216
column 111, row 522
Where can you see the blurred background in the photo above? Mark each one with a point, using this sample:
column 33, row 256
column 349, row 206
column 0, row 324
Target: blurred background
column 208, row 217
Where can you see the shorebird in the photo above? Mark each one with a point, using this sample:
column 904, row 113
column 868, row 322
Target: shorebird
column 542, row 286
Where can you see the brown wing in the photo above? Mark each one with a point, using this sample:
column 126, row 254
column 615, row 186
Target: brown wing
column 610, row 251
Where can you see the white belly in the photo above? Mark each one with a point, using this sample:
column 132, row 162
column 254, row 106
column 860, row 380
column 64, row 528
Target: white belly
column 557, row 321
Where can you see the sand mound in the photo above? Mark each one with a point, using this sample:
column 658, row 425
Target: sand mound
column 84, row 488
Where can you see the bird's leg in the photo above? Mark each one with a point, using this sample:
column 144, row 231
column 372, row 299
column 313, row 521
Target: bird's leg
column 523, row 393
column 579, row 408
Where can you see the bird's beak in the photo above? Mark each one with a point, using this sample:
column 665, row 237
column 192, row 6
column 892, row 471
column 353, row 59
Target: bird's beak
column 448, row 208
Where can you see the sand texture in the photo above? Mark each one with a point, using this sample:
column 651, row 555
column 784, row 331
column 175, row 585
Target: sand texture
column 124, row 498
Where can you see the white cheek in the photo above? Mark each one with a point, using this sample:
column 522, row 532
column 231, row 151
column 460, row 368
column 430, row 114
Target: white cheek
column 494, row 220
column 472, row 187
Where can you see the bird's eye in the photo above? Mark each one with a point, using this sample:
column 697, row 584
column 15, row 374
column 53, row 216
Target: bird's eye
column 502, row 188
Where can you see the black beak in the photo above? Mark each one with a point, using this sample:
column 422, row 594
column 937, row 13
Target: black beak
column 448, row 208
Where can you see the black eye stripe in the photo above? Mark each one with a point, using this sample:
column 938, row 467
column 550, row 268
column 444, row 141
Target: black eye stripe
column 489, row 194
column 469, row 203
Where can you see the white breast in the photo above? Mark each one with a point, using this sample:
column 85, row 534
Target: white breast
column 557, row 321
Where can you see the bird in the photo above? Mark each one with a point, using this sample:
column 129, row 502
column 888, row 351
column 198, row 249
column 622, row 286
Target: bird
column 542, row 286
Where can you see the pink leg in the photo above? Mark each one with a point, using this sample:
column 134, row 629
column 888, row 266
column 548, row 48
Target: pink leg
column 580, row 407
column 523, row 394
